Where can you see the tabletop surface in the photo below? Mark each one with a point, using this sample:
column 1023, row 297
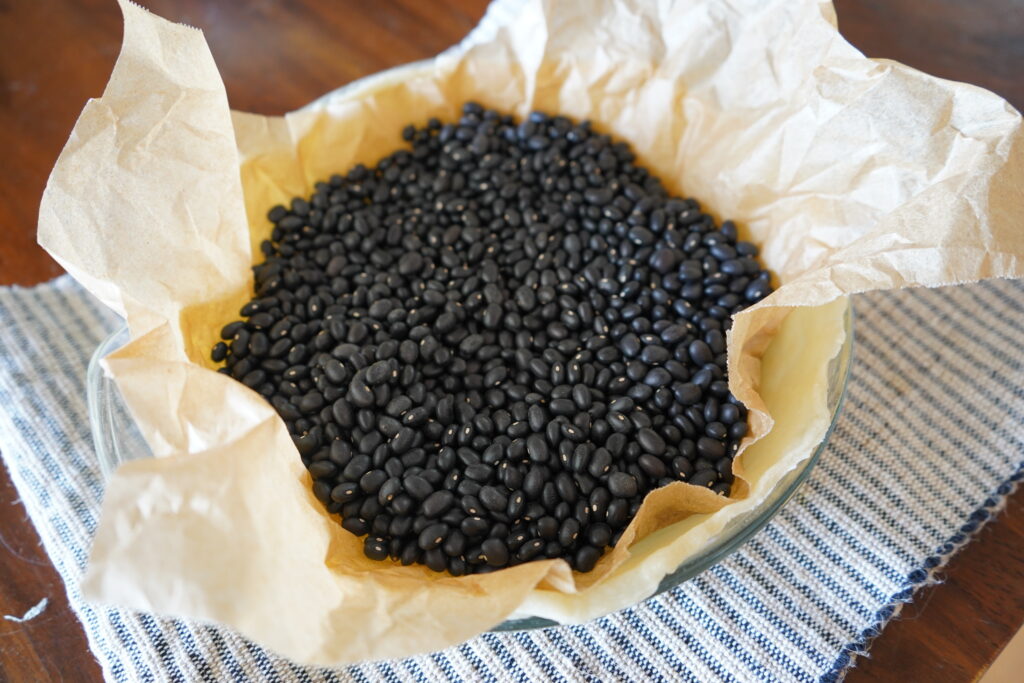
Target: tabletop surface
column 275, row 57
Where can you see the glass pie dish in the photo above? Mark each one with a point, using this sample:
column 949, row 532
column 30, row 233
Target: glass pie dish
column 117, row 440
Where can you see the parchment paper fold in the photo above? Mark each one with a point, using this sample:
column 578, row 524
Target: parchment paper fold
column 851, row 173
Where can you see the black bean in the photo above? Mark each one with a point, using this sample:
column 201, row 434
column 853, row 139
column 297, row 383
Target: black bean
column 700, row 352
column 547, row 528
column 256, row 377
column 432, row 536
column 342, row 413
column 621, row 404
column 455, row 544
column 618, row 422
column 617, row 515
column 493, row 313
column 418, row 487
column 530, row 550
column 378, row 373
column 280, row 348
column 682, row 468
column 533, row 483
column 375, row 547
column 728, row 413
column 495, row 552
column 410, row 263
column 599, row 499
column 630, row 345
column 641, row 236
column 704, row 478
column 397, row 406
column 322, row 492
column 537, row 448
column 658, row 377
column 516, row 504
column 479, row 472
column 686, row 394
column 586, row 558
column 340, row 453
column 582, row 396
column 599, row 535
column 471, row 505
column 474, row 526
column 622, row 485
column 357, row 467
column 652, row 466
column 388, row 426
column 716, row 430
column 389, row 490
column 598, row 196
column 572, row 433
column 650, row 441
column 568, row 532
column 259, row 344
column 323, row 469
column 655, row 354
column 757, row 290
column 369, row 443
column 719, row 389
column 710, row 448
column 345, row 491
column 372, row 481
column 563, row 406
column 493, row 498
column 566, row 487
column 437, row 503
column 537, row 418
column 553, row 432
column 360, row 394
column 435, row 559
column 724, row 468
column 471, row 344
column 261, row 321
column 663, row 260
column 229, row 331
column 715, row 339
column 402, row 441
column 335, row 371
column 600, row 463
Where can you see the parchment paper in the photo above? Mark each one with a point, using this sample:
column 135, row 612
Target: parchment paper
column 852, row 174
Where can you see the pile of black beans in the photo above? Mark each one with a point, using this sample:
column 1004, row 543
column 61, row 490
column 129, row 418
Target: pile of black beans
column 492, row 345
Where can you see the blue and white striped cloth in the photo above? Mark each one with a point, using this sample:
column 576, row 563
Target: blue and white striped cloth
column 929, row 444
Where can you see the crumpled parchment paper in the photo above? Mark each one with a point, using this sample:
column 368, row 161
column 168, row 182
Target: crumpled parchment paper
column 851, row 173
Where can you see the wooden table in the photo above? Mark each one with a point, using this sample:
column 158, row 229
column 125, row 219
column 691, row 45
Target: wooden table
column 277, row 56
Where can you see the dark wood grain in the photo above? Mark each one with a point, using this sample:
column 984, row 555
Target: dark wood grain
column 953, row 631
column 979, row 42
column 276, row 56
column 51, row 646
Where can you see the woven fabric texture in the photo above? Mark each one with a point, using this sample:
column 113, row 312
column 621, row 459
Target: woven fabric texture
column 930, row 442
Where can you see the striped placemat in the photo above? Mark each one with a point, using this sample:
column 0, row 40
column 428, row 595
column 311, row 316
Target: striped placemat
column 930, row 442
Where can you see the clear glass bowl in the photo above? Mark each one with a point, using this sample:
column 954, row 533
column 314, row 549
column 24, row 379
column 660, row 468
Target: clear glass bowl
column 117, row 440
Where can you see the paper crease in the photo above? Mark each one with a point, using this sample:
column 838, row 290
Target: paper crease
column 851, row 174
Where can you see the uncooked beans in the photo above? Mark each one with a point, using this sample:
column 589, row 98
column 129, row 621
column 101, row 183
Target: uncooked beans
column 491, row 346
